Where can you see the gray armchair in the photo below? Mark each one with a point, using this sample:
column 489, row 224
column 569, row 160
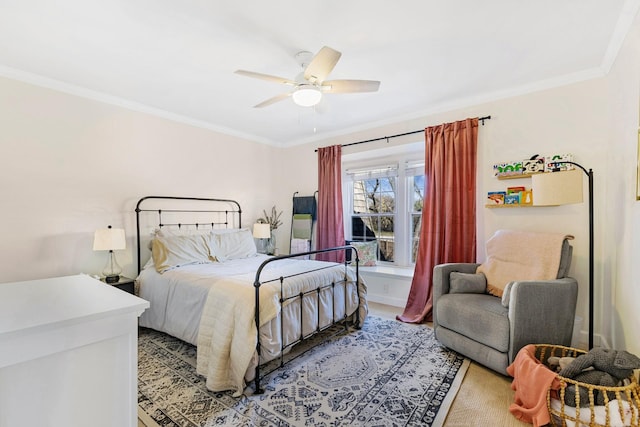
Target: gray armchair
column 491, row 330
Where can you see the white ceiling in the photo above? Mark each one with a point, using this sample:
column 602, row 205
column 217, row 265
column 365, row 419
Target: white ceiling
column 176, row 58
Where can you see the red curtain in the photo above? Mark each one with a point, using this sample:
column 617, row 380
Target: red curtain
column 330, row 222
column 448, row 228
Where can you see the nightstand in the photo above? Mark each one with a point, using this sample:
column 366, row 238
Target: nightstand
column 125, row 283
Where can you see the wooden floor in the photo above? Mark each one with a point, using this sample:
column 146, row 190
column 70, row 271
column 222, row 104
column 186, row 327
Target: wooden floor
column 483, row 398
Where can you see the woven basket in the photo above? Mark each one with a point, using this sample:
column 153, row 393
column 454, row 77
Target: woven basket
column 588, row 415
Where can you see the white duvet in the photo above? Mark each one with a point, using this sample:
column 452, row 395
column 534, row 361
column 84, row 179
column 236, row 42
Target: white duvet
column 212, row 306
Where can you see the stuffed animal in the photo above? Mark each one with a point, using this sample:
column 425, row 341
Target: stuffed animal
column 610, row 368
column 557, row 363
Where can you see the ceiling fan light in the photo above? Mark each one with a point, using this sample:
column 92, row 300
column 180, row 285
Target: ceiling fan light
column 307, row 96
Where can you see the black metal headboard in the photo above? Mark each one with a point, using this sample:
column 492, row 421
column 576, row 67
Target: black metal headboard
column 179, row 212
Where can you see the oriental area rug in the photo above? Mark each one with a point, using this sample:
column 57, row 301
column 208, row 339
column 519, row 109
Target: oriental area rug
column 386, row 374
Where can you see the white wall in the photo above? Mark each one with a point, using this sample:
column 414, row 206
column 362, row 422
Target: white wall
column 70, row 165
column 620, row 275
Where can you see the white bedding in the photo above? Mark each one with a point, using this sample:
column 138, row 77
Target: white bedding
column 177, row 296
column 212, row 306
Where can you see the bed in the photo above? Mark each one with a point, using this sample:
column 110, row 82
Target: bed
column 208, row 286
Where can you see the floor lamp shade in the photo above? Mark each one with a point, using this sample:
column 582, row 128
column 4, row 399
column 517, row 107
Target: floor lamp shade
column 557, row 188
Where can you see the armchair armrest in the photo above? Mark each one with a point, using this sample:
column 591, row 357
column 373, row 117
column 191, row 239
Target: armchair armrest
column 541, row 312
column 441, row 282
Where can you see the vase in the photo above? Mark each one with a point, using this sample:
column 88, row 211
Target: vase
column 270, row 246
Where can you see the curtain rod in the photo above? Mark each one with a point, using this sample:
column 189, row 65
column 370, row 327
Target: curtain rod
column 480, row 119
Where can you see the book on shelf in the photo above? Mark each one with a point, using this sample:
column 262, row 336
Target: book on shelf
column 496, row 197
column 512, row 199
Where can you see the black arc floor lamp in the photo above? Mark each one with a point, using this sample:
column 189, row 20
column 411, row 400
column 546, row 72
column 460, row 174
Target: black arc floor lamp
column 562, row 188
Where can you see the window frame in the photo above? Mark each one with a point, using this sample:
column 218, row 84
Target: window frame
column 387, row 172
column 408, row 162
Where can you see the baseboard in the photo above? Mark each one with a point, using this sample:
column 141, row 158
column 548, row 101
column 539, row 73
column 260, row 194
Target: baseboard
column 387, row 300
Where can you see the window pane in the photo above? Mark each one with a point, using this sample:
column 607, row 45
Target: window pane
column 386, row 238
column 359, row 197
column 417, row 201
column 415, row 235
column 417, row 193
column 374, row 206
column 387, row 202
column 362, row 228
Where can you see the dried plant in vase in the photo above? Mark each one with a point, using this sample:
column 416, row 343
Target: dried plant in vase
column 273, row 220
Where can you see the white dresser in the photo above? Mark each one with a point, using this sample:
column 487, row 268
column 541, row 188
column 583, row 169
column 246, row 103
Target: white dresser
column 68, row 353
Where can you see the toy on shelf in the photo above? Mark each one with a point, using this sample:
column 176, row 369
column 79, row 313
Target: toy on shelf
column 534, row 164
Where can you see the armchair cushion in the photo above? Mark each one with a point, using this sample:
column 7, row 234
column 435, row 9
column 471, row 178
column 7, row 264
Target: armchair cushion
column 481, row 317
column 467, row 283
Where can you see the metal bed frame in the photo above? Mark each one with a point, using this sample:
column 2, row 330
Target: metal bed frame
column 226, row 218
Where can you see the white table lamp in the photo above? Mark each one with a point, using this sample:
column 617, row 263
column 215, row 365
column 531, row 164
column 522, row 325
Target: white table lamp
column 110, row 239
column 262, row 231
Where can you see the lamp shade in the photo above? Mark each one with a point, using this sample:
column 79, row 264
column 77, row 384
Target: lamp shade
column 307, row 95
column 109, row 239
column 557, row 188
column 261, row 231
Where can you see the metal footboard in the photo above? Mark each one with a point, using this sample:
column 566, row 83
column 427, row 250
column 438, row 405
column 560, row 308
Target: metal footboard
column 313, row 293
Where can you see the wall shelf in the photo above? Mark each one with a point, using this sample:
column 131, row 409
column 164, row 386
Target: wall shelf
column 521, row 176
column 510, row 206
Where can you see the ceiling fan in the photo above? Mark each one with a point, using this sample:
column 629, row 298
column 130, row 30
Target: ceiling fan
column 310, row 84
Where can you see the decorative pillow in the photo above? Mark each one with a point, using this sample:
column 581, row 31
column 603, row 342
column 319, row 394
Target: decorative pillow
column 233, row 245
column 176, row 251
column 467, row 283
column 367, row 253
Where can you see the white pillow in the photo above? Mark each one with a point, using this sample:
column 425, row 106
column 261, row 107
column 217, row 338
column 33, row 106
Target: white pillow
column 233, row 245
column 175, row 251
column 226, row 230
column 172, row 231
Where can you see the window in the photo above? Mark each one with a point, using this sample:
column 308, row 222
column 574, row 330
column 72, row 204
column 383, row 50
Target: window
column 383, row 203
column 374, row 207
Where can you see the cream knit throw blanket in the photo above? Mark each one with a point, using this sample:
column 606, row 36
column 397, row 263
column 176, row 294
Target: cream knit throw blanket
column 521, row 255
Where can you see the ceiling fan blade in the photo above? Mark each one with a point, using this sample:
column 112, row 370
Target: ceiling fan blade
column 273, row 100
column 321, row 65
column 267, row 77
column 350, row 86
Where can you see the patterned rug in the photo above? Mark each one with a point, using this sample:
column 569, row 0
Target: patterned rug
column 386, row 374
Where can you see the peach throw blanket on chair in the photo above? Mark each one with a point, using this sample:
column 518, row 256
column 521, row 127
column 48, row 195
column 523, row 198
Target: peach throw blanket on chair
column 521, row 255
column 531, row 381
